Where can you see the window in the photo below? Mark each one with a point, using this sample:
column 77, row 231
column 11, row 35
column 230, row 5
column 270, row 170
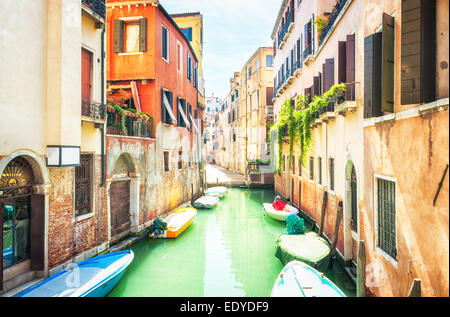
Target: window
column 166, row 109
column 319, row 163
column 180, row 160
column 249, row 72
column 299, row 167
column 331, row 167
column 257, row 64
column 188, row 33
column 131, row 37
column 179, row 57
column 83, row 186
column 180, row 118
column 386, row 216
column 311, row 168
column 165, row 44
column 166, row 161
column 269, row 60
column 284, row 163
column 293, row 165
column 189, row 67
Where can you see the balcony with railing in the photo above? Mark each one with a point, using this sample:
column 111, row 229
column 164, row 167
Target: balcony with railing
column 347, row 102
column 127, row 123
column 285, row 29
column 93, row 111
column 308, row 54
column 328, row 26
column 96, row 6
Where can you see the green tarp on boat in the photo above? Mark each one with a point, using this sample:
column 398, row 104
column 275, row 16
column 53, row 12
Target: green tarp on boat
column 309, row 248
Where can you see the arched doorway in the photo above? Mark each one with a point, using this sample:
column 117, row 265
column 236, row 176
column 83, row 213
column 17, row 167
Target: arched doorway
column 22, row 218
column 351, row 215
column 123, row 198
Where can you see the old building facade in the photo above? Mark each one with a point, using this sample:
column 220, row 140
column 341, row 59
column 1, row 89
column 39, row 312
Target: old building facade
column 51, row 155
column 319, row 44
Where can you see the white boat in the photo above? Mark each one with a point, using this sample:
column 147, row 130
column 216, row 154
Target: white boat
column 298, row 279
column 207, row 202
column 218, row 191
column 279, row 214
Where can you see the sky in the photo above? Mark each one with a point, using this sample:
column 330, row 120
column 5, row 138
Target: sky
column 232, row 31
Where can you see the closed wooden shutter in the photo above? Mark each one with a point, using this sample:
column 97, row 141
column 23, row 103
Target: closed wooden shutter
column 299, row 52
column 143, row 35
column 328, row 74
column 387, row 56
column 342, row 62
column 269, row 93
column 316, row 85
column 312, row 35
column 372, row 76
column 118, row 36
column 418, row 76
column 37, row 232
column 350, row 65
column 86, row 70
column 163, row 108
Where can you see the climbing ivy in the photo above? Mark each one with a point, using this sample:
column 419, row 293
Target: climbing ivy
column 298, row 122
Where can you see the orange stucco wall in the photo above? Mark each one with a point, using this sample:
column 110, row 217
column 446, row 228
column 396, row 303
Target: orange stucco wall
column 422, row 229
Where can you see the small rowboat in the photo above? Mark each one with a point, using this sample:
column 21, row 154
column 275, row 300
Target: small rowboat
column 218, row 191
column 206, row 202
column 279, row 214
column 95, row 277
column 177, row 221
column 298, row 279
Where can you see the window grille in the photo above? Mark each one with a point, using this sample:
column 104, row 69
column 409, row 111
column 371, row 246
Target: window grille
column 386, row 217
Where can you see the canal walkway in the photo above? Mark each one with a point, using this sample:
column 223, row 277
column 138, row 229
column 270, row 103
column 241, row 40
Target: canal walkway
column 216, row 174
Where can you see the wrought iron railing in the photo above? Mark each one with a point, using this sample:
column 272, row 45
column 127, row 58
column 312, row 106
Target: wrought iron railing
column 349, row 94
column 98, row 6
column 307, row 51
column 93, row 109
column 282, row 32
column 132, row 125
column 331, row 19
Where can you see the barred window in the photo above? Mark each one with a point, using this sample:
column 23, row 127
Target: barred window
column 320, row 169
column 386, row 217
column 83, row 185
column 311, row 168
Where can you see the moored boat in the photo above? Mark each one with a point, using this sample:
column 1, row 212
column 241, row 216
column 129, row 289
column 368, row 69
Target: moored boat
column 95, row 277
column 298, row 279
column 207, row 202
column 177, row 221
column 279, row 214
column 218, row 191
column 309, row 248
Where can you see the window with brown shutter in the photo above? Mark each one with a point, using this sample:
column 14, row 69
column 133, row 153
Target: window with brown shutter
column 387, row 71
column 350, row 64
column 372, row 76
column 342, row 62
column 269, row 93
column 118, row 36
column 143, row 35
column 418, row 47
column 328, row 74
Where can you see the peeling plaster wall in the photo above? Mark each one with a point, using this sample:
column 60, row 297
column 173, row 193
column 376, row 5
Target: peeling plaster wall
column 159, row 191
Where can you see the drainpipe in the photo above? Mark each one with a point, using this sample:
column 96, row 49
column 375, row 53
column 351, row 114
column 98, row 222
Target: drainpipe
column 103, row 102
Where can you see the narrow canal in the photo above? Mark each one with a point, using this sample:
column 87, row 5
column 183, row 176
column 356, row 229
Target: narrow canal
column 227, row 251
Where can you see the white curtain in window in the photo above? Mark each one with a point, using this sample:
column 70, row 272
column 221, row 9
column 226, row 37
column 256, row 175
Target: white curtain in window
column 132, row 40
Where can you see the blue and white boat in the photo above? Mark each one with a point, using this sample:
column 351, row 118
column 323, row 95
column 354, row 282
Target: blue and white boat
column 95, row 277
column 298, row 279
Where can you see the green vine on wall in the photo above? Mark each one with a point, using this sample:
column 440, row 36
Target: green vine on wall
column 143, row 116
column 298, row 122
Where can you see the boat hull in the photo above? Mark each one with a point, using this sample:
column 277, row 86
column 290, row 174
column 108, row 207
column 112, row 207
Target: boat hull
column 95, row 277
column 279, row 215
column 218, row 192
column 206, row 202
column 298, row 279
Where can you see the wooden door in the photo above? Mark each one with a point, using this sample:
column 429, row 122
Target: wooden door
column 120, row 207
column 86, row 72
column 37, row 232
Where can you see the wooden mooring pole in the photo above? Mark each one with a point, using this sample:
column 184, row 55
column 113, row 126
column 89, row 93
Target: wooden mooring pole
column 361, row 271
column 416, row 288
column 324, row 209
column 336, row 229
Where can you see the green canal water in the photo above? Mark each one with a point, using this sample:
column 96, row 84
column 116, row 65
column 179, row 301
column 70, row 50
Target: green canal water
column 228, row 251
